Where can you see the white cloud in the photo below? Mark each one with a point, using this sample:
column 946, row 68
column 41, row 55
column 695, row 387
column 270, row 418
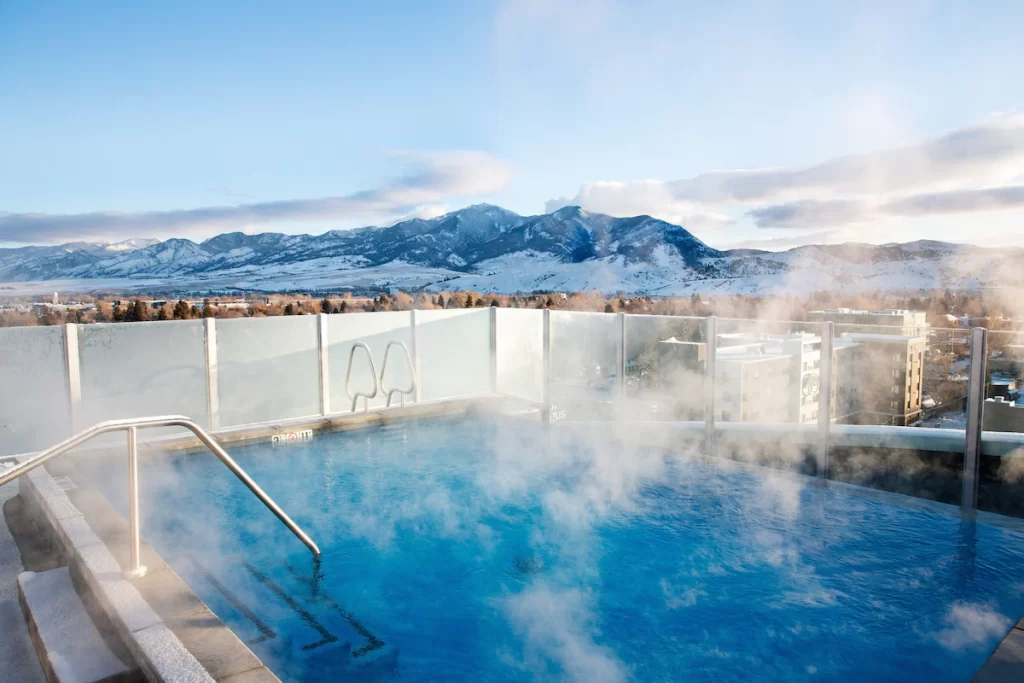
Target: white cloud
column 651, row 197
column 433, row 178
column 968, row 170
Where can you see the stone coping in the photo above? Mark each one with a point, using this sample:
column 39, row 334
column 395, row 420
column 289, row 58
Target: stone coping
column 1006, row 664
column 169, row 631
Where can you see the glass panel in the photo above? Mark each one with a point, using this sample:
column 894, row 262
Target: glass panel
column 142, row 370
column 375, row 330
column 1004, row 407
column 34, row 407
column 454, row 352
column 767, row 371
column 1001, row 480
column 584, row 353
column 665, row 364
column 880, row 375
column 944, row 387
column 521, row 352
column 268, row 369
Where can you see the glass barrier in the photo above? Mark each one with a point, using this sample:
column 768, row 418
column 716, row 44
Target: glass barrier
column 143, row 369
column 665, row 363
column 267, row 369
column 1001, row 477
column 584, row 355
column 455, row 355
column 520, row 350
column 34, row 404
column 375, row 330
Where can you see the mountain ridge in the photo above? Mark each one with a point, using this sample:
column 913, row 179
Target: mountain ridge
column 488, row 247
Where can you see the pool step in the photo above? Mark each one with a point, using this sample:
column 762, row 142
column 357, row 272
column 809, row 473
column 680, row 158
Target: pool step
column 286, row 604
column 69, row 646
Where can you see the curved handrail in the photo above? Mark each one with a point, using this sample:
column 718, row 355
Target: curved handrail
column 147, row 423
column 348, row 378
column 412, row 373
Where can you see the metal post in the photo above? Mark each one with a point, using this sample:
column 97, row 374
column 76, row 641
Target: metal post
column 72, row 362
column 493, row 320
column 325, row 374
column 546, row 361
column 825, row 395
column 415, row 333
column 711, row 349
column 620, row 358
column 975, row 406
column 136, row 570
column 212, row 385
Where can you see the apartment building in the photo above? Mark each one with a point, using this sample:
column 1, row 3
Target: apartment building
column 909, row 323
column 879, row 378
column 753, row 386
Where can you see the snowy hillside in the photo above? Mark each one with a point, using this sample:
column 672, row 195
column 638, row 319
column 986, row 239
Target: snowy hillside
column 487, row 248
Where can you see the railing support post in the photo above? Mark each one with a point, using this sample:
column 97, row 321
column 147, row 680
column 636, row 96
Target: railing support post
column 212, row 385
column 73, row 364
column 975, row 405
column 136, row 570
column 325, row 374
column 711, row 348
column 415, row 335
column 546, row 361
column 620, row 358
column 493, row 322
column 825, row 395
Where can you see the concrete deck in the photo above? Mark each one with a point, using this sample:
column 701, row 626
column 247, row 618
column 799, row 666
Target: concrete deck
column 18, row 660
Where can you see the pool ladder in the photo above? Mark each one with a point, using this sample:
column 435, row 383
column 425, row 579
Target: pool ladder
column 378, row 385
column 131, row 427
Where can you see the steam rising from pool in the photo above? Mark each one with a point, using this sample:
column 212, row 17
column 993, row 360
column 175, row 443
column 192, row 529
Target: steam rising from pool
column 504, row 550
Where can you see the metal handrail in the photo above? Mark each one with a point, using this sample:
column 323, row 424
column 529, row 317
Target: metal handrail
column 348, row 378
column 132, row 426
column 412, row 373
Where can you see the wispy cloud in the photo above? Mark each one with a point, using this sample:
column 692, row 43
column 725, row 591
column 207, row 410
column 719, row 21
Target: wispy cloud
column 968, row 170
column 433, row 177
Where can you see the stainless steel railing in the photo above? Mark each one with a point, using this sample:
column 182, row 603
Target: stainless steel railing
column 411, row 390
column 354, row 396
column 131, row 427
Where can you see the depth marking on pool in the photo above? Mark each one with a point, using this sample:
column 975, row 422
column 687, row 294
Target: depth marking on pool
column 372, row 641
column 266, row 632
column 309, row 619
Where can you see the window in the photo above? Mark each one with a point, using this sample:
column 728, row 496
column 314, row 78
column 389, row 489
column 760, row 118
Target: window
column 894, row 404
column 895, row 389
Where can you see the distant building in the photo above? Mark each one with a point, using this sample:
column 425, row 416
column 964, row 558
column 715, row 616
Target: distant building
column 910, row 323
column 680, row 363
column 754, row 386
column 880, row 378
column 1002, row 416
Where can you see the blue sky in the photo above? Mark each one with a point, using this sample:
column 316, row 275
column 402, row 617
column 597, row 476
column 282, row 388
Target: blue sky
column 752, row 123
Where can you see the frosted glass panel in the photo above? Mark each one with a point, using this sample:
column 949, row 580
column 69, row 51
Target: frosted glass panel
column 454, row 352
column 521, row 352
column 375, row 330
column 34, row 408
column 268, row 369
column 143, row 369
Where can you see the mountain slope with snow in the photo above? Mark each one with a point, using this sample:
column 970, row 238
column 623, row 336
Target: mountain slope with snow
column 488, row 248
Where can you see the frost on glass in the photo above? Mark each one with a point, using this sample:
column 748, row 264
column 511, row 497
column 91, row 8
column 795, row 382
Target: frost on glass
column 34, row 406
column 520, row 350
column 375, row 330
column 268, row 369
column 143, row 369
column 454, row 352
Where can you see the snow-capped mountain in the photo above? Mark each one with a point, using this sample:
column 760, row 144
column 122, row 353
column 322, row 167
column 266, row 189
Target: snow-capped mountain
column 488, row 248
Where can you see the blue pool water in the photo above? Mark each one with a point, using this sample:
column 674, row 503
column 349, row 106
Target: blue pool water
column 504, row 551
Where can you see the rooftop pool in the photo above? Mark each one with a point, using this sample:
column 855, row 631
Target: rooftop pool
column 469, row 550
